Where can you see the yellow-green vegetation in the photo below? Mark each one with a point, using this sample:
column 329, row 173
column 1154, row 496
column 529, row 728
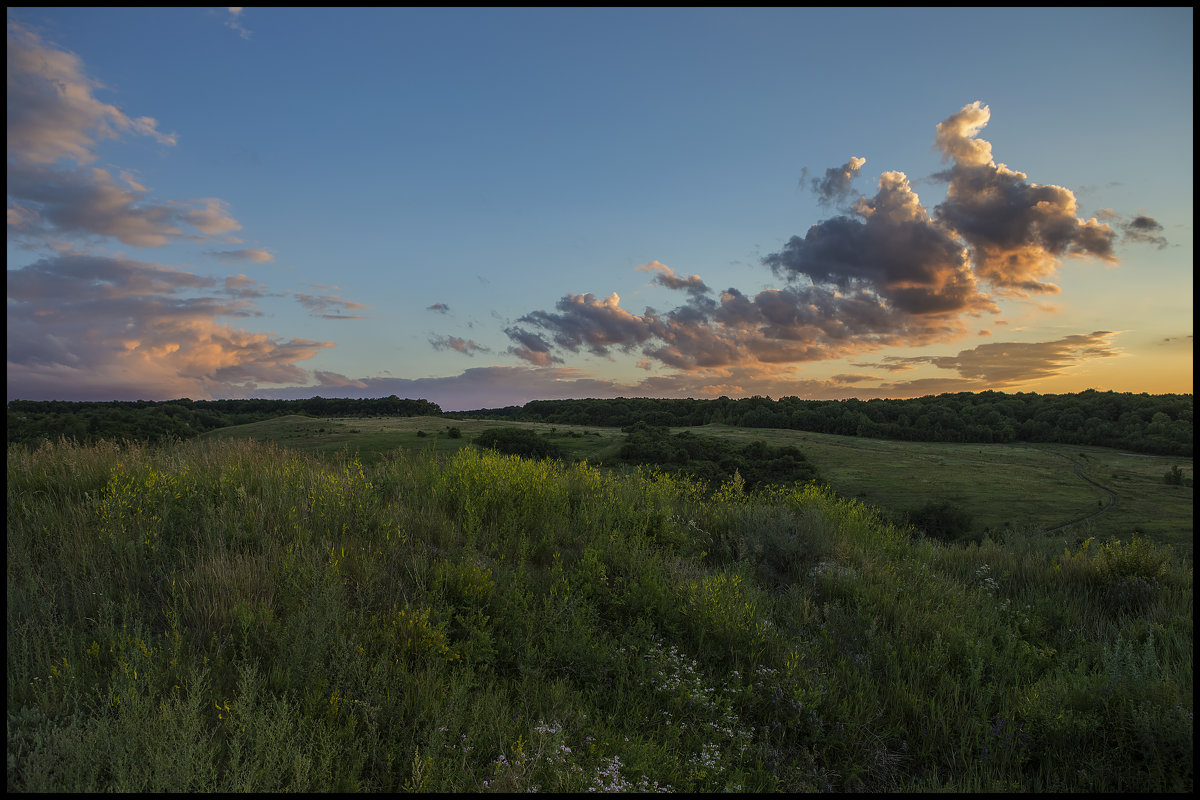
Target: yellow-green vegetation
column 232, row 615
column 1003, row 487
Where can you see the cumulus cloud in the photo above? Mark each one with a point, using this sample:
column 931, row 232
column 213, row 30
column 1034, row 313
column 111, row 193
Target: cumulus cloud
column 836, row 186
column 82, row 326
column 464, row 346
column 886, row 271
column 889, row 247
column 1017, row 230
column 585, row 321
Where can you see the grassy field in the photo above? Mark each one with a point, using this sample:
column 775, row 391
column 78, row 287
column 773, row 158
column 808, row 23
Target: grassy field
column 1004, row 486
column 232, row 615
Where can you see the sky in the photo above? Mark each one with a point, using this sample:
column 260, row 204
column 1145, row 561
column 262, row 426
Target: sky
column 482, row 207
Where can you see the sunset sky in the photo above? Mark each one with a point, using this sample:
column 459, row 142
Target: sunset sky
column 485, row 207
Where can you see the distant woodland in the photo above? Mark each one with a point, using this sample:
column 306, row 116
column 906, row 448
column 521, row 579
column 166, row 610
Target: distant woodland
column 1158, row 424
column 145, row 420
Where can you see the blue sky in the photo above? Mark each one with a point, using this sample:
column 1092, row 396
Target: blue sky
column 483, row 207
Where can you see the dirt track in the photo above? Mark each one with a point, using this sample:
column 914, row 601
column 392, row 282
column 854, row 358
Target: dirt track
column 1113, row 497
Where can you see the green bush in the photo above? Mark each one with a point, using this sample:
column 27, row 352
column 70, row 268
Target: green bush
column 941, row 519
column 518, row 442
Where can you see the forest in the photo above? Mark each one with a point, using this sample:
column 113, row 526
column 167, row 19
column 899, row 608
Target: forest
column 1157, row 424
column 151, row 421
column 1160, row 424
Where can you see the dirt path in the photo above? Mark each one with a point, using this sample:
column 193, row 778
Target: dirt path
column 1113, row 497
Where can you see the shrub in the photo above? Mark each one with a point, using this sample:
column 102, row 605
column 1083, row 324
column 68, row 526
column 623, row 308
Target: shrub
column 518, row 442
column 941, row 519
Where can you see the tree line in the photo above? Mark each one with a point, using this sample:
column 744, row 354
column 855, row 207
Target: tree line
column 1160, row 424
column 154, row 421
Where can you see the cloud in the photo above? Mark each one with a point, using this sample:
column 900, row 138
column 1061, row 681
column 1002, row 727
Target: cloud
column 82, row 326
column 499, row 386
column 886, row 272
column 89, row 201
column 337, row 379
column 52, row 111
column 1017, row 231
column 890, row 248
column 531, row 347
column 328, row 306
column 1007, row 363
column 464, row 346
column 836, row 186
column 584, row 321
column 54, row 124
column 255, row 255
column 234, row 23
column 667, row 277
column 851, row 378
column 245, row 287
column 1139, row 230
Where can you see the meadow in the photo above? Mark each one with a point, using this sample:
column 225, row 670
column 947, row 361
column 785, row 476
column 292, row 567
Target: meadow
column 232, row 614
column 1004, row 486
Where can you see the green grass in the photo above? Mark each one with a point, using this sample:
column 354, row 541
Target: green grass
column 232, row 615
column 1005, row 487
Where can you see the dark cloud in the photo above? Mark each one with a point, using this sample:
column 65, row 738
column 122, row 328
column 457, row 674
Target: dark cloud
column 837, row 184
column 531, row 347
column 1017, row 231
column 890, row 248
column 464, row 346
column 585, row 321
column 1139, row 230
column 887, row 272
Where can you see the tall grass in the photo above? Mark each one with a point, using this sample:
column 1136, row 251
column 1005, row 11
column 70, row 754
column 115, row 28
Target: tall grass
column 225, row 615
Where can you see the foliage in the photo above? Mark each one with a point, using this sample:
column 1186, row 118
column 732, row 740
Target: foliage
column 30, row 421
column 1175, row 477
column 233, row 616
column 941, row 519
column 518, row 442
column 1140, row 422
column 715, row 460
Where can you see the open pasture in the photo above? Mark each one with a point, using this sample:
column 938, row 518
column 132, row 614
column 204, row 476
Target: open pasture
column 1004, row 486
